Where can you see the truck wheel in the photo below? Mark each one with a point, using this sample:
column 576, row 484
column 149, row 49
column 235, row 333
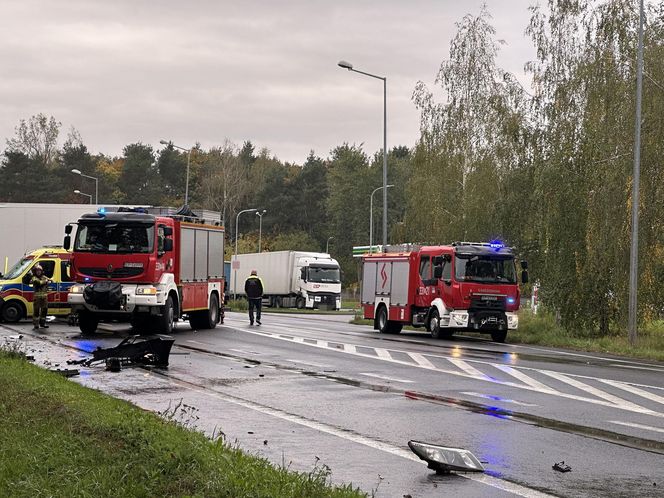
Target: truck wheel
column 278, row 303
column 12, row 312
column 498, row 335
column 212, row 314
column 434, row 327
column 395, row 327
column 87, row 322
column 300, row 303
column 382, row 323
column 165, row 321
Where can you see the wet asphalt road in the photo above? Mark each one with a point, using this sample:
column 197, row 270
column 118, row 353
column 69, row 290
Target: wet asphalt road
column 307, row 390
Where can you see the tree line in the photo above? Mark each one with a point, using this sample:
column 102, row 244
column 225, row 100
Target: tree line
column 546, row 166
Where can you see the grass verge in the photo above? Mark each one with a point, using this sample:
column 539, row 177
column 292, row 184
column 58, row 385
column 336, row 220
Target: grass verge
column 541, row 329
column 58, row 438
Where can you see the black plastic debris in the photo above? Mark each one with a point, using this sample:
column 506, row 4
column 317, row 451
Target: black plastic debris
column 561, row 467
column 67, row 372
column 133, row 350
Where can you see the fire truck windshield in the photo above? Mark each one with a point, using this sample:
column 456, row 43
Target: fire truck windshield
column 324, row 275
column 115, row 238
column 485, row 269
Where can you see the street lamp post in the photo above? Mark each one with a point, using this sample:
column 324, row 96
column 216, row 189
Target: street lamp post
column 327, row 244
column 78, row 172
column 371, row 217
column 83, row 193
column 634, row 251
column 237, row 220
column 260, row 226
column 349, row 66
column 188, row 151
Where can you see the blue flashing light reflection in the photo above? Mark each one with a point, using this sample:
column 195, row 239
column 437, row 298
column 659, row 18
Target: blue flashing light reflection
column 87, row 279
column 511, row 300
column 101, row 210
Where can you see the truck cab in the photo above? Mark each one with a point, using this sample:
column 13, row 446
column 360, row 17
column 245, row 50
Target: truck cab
column 319, row 282
column 16, row 293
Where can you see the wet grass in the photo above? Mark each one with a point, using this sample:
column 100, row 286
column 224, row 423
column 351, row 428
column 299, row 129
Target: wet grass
column 60, row 439
column 541, row 329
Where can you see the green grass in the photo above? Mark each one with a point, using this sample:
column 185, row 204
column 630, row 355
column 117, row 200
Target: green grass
column 541, row 329
column 58, row 438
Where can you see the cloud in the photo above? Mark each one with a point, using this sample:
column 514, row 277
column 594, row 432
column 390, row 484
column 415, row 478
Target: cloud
column 203, row 71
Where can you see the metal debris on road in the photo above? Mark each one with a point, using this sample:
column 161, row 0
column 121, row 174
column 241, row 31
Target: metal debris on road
column 561, row 467
column 67, row 372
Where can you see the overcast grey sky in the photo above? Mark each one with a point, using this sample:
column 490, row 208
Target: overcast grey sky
column 124, row 71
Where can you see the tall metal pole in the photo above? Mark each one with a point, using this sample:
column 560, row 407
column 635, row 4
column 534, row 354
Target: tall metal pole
column 186, row 188
column 371, row 216
column 384, row 163
column 260, row 227
column 237, row 220
column 327, row 244
column 634, row 252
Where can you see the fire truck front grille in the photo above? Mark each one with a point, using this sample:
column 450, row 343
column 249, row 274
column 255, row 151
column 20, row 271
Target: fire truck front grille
column 114, row 273
column 487, row 303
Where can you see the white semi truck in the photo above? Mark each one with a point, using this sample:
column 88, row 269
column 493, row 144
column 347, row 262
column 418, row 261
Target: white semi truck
column 292, row 279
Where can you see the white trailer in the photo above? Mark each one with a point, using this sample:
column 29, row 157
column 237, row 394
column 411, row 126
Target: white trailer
column 29, row 226
column 292, row 279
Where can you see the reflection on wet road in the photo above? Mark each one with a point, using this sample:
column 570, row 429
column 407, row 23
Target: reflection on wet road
column 302, row 388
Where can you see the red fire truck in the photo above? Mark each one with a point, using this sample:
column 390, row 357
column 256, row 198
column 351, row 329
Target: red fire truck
column 147, row 269
column 462, row 286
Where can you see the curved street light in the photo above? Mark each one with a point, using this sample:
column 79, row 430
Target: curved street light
column 371, row 218
column 83, row 193
column 237, row 221
column 260, row 226
column 347, row 65
column 78, row 172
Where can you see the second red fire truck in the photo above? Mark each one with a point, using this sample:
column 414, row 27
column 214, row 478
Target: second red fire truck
column 462, row 286
column 147, row 269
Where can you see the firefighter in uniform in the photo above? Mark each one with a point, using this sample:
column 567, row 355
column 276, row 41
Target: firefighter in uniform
column 39, row 283
column 253, row 287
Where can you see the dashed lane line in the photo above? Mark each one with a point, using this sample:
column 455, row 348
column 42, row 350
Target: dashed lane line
column 468, row 368
column 517, row 374
column 634, row 390
column 422, row 361
column 385, row 377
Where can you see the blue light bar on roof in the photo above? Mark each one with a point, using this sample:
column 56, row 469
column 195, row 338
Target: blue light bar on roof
column 496, row 244
column 101, row 210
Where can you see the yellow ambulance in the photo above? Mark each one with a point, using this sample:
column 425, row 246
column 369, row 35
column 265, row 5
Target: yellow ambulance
column 16, row 293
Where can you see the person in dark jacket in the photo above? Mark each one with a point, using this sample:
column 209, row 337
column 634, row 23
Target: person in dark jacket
column 253, row 287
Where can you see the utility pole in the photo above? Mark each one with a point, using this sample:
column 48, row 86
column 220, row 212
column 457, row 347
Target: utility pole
column 634, row 252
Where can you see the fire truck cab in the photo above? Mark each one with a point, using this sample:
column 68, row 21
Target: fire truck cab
column 461, row 286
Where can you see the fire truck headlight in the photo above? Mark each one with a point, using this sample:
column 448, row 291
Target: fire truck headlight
column 76, row 289
column 146, row 291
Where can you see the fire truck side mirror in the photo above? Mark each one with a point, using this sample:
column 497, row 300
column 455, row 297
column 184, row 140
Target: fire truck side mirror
column 68, row 229
column 168, row 245
column 438, row 260
column 437, row 272
column 524, row 264
column 67, row 242
column 168, row 231
column 524, row 276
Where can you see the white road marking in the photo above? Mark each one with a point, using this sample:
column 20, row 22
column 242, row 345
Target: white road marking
column 365, row 441
column 241, row 351
column 383, row 354
column 529, row 381
column 349, row 348
column 634, row 390
column 468, row 368
column 385, row 377
column 422, row 361
column 497, row 398
column 594, row 391
column 639, row 368
column 197, row 342
column 637, row 426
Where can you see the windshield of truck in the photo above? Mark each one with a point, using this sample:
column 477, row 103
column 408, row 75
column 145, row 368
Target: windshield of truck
column 115, row 238
column 324, row 275
column 485, row 269
column 18, row 269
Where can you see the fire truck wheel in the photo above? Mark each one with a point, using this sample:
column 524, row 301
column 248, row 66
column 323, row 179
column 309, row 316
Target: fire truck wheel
column 212, row 314
column 165, row 321
column 12, row 312
column 382, row 323
column 87, row 322
column 498, row 335
column 434, row 327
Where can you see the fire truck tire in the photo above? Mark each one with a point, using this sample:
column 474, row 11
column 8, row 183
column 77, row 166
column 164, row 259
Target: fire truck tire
column 384, row 325
column 211, row 316
column 434, row 327
column 87, row 322
column 12, row 312
column 165, row 321
column 498, row 335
